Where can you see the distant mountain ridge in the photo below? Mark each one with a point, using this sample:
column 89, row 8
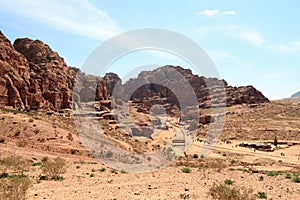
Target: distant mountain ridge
column 34, row 77
column 297, row 94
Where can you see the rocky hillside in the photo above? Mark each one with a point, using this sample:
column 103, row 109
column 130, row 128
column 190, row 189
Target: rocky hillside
column 34, row 77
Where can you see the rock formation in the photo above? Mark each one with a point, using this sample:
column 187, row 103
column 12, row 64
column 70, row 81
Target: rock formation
column 156, row 84
column 33, row 77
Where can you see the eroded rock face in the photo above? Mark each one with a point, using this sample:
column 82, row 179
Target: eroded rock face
column 51, row 80
column 33, row 76
column 159, row 87
column 14, row 75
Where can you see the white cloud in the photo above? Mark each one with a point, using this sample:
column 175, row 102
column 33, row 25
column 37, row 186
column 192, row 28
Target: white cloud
column 230, row 12
column 248, row 34
column 74, row 16
column 291, row 47
column 251, row 36
column 208, row 12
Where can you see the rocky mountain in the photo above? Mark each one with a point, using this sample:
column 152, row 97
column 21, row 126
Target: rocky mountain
column 34, row 77
column 297, row 94
column 160, row 86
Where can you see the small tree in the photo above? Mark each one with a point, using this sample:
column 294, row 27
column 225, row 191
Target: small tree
column 52, row 169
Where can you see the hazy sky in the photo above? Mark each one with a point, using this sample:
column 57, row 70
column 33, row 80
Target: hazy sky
column 251, row 42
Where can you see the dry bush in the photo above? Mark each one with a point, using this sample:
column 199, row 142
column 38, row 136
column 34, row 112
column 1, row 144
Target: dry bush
column 52, row 169
column 264, row 161
column 14, row 188
column 220, row 191
column 14, row 164
column 21, row 143
column 217, row 164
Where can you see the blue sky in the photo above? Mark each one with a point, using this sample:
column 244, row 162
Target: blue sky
column 251, row 42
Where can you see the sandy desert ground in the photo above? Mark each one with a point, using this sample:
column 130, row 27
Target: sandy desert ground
column 87, row 178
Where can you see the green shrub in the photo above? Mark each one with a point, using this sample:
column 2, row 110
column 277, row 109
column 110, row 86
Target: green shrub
column 123, row 171
column 261, row 178
column 102, row 169
column 296, row 179
column 113, row 171
column 220, row 191
column 36, row 164
column 92, row 175
column 59, row 178
column 274, row 173
column 52, row 169
column 288, row 176
column 228, row 182
column 244, row 170
column 77, row 166
column 81, row 162
column 186, row 170
column 261, row 195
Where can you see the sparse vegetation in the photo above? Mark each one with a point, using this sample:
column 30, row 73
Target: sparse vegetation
column 14, row 164
column 102, row 169
column 261, row 178
column 13, row 186
column 296, row 179
column 220, row 191
column 52, row 169
column 244, row 170
column 184, row 196
column 274, row 173
column 59, row 178
column 36, row 164
column 262, row 195
column 21, row 144
column 186, row 170
column 288, row 176
column 228, row 182
column 217, row 164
